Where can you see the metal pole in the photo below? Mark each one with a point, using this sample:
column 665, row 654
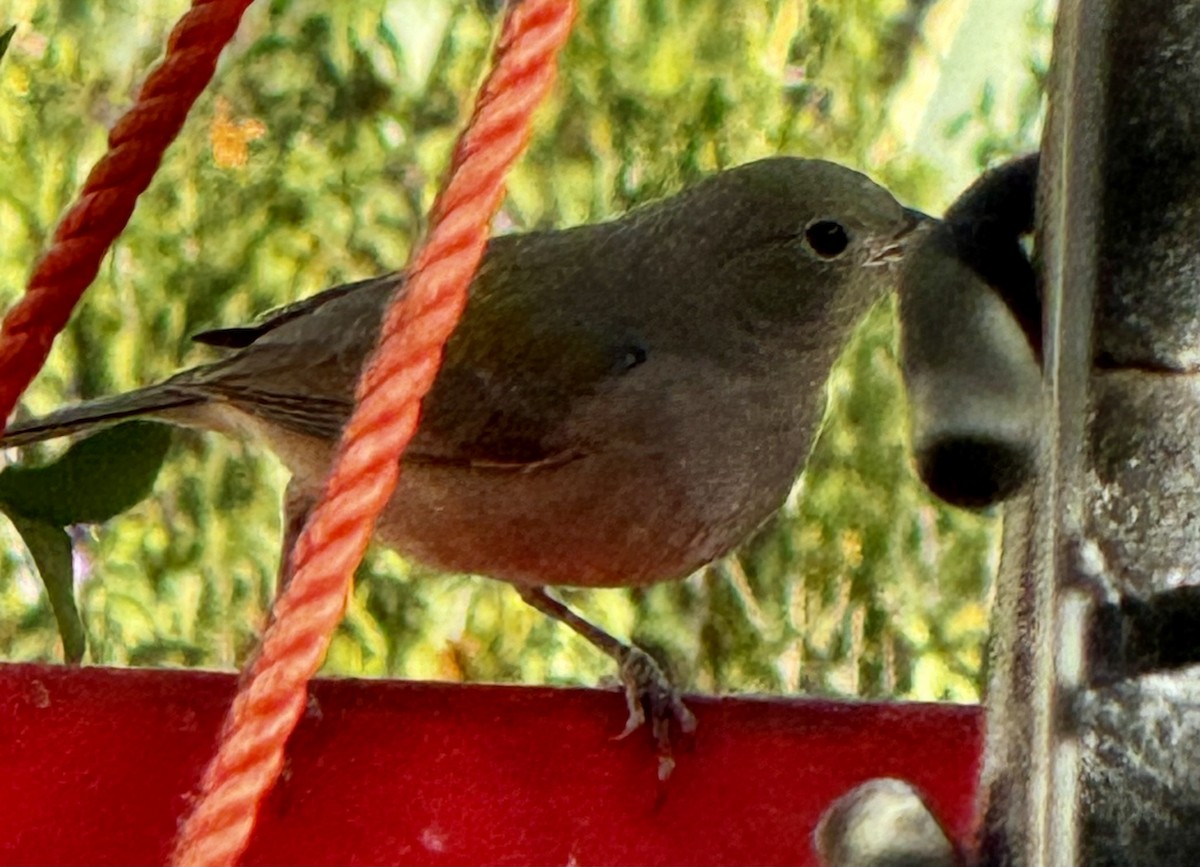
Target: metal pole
column 1094, row 707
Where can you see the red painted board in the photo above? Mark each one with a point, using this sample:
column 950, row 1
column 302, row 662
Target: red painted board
column 96, row 764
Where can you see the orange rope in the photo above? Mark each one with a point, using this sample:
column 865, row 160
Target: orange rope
column 366, row 469
column 135, row 148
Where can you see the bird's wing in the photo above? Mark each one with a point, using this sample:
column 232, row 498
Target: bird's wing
column 241, row 336
column 512, row 372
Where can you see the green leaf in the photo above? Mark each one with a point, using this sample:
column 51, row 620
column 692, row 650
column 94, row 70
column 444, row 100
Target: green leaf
column 95, row 478
column 51, row 550
column 5, row 38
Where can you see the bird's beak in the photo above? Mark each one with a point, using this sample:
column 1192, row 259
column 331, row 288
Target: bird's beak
column 889, row 251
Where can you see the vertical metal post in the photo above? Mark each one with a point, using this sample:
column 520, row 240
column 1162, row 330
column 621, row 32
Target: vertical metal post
column 1094, row 707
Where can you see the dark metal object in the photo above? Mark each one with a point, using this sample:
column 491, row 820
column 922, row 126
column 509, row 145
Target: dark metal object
column 883, row 823
column 970, row 343
column 1094, row 710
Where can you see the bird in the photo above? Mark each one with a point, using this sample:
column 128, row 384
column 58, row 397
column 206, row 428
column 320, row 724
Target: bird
column 622, row 402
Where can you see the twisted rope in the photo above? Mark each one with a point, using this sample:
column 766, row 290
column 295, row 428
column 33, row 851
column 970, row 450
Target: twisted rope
column 135, row 148
column 366, row 469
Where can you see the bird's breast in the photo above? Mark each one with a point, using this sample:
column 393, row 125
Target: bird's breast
column 663, row 478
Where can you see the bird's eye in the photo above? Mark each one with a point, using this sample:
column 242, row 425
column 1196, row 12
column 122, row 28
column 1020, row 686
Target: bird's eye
column 827, row 238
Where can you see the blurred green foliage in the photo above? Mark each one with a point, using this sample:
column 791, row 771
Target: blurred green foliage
column 312, row 159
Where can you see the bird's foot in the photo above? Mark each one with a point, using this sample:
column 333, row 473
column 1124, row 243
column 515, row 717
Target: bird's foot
column 650, row 693
column 648, row 690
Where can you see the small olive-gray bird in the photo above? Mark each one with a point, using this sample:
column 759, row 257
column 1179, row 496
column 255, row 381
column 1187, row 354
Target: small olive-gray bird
column 621, row 403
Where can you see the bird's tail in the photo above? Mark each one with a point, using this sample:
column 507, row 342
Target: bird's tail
column 151, row 400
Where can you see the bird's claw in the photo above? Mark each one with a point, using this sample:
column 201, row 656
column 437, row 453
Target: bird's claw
column 649, row 692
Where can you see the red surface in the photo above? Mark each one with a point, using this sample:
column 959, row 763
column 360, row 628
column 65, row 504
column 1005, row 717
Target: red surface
column 96, row 764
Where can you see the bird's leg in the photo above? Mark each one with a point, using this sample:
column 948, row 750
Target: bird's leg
column 647, row 688
column 297, row 505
